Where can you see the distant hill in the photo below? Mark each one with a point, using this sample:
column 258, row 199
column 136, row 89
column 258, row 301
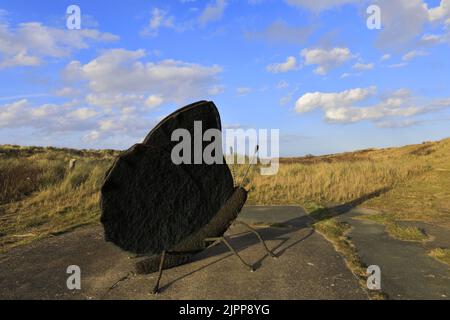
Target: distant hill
column 424, row 148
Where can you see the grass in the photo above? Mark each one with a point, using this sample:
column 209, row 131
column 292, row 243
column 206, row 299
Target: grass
column 43, row 197
column 405, row 233
column 330, row 182
column 336, row 232
column 424, row 197
column 441, row 254
column 403, row 184
column 40, row 197
column 409, row 183
column 21, row 177
column 345, row 177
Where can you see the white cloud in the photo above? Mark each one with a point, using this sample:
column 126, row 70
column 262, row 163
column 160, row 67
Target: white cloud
column 154, row 101
column 213, row 12
column 311, row 101
column 46, row 117
column 398, row 65
column 414, row 54
column 326, row 60
column 288, row 97
column 346, row 75
column 404, row 22
column 24, row 96
column 392, row 124
column 125, row 124
column 385, row 57
column 285, row 100
column 344, row 107
column 440, row 12
column 116, row 101
column 20, row 59
column 31, row 42
column 363, row 66
column 242, row 91
column 437, row 38
column 216, row 89
column 53, row 120
column 83, row 113
column 319, row 5
column 282, row 84
column 280, row 31
column 124, row 72
column 159, row 19
column 66, row 92
column 119, row 88
column 432, row 39
column 92, row 136
column 289, row 65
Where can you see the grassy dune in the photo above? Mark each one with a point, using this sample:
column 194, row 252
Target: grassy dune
column 40, row 197
column 410, row 183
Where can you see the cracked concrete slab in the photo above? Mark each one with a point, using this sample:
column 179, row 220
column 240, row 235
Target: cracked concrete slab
column 406, row 269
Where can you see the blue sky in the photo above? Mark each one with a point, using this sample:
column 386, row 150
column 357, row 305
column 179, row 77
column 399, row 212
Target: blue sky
column 312, row 69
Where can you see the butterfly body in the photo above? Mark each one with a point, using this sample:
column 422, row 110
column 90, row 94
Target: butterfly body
column 199, row 241
column 219, row 224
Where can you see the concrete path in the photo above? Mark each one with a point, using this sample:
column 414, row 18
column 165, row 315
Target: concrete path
column 407, row 271
column 307, row 268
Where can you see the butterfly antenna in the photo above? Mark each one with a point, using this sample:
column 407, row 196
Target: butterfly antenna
column 249, row 165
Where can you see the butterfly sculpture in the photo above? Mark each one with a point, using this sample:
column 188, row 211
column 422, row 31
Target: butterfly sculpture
column 153, row 207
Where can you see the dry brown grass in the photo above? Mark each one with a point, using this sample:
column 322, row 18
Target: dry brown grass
column 39, row 197
column 337, row 233
column 441, row 254
column 350, row 176
column 331, row 182
column 21, row 177
column 425, row 197
column 42, row 197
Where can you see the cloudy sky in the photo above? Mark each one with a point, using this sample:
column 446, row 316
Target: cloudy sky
column 311, row 68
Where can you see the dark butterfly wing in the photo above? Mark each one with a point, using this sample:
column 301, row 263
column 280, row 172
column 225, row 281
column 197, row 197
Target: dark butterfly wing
column 184, row 118
column 215, row 182
column 150, row 204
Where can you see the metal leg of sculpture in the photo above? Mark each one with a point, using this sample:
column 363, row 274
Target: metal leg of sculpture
column 225, row 241
column 161, row 265
column 259, row 237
